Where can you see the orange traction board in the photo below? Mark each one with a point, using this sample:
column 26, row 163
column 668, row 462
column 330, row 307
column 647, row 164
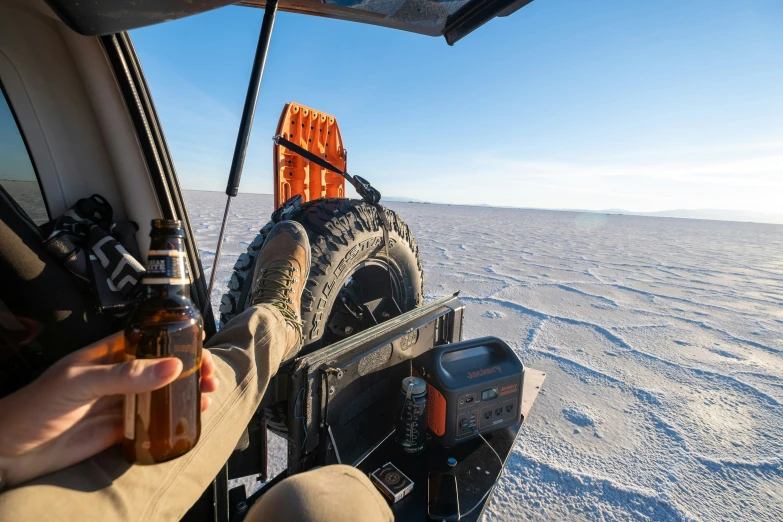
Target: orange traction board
column 318, row 133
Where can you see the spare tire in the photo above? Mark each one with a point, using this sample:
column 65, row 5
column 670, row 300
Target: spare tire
column 352, row 278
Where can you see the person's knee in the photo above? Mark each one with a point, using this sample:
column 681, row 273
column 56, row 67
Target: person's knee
column 339, row 472
column 336, row 492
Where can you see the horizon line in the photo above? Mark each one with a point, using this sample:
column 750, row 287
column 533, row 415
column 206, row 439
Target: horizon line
column 622, row 212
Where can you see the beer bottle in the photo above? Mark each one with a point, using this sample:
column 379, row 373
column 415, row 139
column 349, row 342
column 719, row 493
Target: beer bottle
column 165, row 423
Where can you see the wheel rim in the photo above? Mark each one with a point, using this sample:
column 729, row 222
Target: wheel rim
column 370, row 294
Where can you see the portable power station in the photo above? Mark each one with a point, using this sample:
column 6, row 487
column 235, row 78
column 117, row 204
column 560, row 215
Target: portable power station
column 471, row 383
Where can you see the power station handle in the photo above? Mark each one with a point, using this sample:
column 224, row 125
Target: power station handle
column 491, row 343
column 494, row 345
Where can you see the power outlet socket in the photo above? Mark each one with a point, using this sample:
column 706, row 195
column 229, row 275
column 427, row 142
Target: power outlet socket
column 510, row 409
column 470, row 416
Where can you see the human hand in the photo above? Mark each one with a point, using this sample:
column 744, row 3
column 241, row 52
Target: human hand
column 74, row 409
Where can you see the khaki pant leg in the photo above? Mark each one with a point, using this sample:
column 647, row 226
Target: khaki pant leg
column 248, row 351
column 336, row 493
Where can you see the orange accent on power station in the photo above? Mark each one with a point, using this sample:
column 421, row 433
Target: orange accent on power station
column 436, row 411
column 436, row 407
column 318, row 133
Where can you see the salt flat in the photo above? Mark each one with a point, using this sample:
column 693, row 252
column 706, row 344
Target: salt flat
column 662, row 340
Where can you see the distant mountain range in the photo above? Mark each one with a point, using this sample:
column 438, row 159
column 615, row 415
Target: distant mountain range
column 708, row 213
column 403, row 199
column 684, row 213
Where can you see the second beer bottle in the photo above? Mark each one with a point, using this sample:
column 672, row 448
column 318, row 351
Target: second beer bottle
column 165, row 423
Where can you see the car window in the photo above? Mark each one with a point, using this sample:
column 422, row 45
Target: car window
column 17, row 173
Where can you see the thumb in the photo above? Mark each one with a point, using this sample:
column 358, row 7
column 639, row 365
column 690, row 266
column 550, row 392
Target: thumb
column 137, row 376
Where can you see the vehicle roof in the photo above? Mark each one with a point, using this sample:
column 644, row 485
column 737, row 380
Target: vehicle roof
column 452, row 19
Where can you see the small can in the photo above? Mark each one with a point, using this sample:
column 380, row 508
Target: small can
column 411, row 419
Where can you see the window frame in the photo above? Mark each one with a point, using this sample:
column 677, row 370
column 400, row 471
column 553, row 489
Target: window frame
column 30, row 156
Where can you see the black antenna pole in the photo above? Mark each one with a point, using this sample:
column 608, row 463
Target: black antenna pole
column 243, row 136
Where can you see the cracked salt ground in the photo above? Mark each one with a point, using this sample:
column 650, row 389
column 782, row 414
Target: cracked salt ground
column 493, row 314
column 662, row 340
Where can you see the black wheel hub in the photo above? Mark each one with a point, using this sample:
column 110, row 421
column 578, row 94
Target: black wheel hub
column 368, row 297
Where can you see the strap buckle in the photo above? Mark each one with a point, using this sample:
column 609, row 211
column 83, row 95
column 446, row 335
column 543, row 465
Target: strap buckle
column 366, row 191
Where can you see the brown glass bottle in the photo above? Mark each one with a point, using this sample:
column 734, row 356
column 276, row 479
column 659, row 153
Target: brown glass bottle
column 165, row 423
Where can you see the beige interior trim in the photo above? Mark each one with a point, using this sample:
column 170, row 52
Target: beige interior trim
column 116, row 127
column 72, row 115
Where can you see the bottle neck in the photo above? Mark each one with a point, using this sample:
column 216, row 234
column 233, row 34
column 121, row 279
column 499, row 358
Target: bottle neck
column 166, row 243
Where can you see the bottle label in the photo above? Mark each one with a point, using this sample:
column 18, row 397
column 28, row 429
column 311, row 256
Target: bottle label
column 166, row 267
column 129, row 408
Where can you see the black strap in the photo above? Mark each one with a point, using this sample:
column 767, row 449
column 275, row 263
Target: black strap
column 309, row 156
column 386, row 229
column 384, row 221
column 362, row 186
column 88, row 243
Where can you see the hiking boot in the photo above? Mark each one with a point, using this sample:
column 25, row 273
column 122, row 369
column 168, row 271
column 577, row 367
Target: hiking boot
column 281, row 271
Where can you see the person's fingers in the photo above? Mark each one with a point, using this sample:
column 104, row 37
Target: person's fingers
column 209, row 385
column 93, row 435
column 111, row 403
column 209, row 382
column 205, row 402
column 107, row 350
column 137, row 376
column 85, row 439
column 207, row 363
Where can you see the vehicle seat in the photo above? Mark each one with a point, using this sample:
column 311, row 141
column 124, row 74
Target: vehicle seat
column 57, row 311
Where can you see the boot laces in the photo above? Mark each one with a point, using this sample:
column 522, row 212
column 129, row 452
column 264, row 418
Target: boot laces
column 274, row 287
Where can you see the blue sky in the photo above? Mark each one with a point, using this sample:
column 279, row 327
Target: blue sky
column 631, row 105
column 14, row 161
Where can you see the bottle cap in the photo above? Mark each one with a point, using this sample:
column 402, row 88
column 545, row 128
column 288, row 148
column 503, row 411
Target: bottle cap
column 419, row 386
column 167, row 227
column 166, row 223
